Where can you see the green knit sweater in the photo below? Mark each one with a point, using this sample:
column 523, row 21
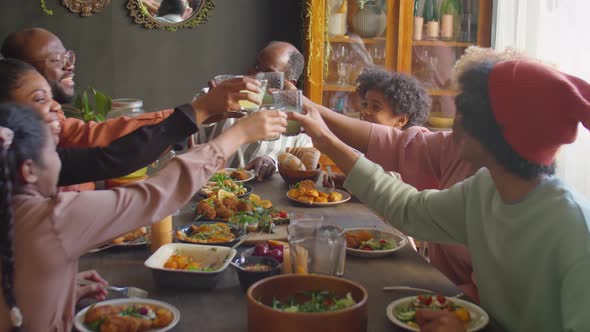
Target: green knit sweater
column 531, row 259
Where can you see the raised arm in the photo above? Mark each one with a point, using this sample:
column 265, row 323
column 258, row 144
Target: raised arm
column 128, row 153
column 77, row 133
column 431, row 215
column 226, row 96
column 85, row 220
column 353, row 132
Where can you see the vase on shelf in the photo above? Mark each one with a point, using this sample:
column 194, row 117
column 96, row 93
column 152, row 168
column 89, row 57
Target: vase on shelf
column 370, row 21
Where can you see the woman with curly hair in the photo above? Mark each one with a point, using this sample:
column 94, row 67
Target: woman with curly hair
column 392, row 99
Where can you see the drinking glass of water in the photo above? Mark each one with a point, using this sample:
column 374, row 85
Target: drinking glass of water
column 290, row 101
column 317, row 248
column 249, row 106
column 276, row 81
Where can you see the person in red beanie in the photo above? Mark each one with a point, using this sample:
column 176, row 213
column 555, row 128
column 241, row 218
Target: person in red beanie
column 528, row 233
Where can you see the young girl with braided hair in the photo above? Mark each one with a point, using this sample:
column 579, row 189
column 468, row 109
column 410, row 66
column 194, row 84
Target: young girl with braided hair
column 43, row 233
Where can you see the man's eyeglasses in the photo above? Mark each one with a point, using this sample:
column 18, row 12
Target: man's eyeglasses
column 61, row 59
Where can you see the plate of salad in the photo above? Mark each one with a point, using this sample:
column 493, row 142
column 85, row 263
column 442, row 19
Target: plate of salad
column 372, row 242
column 235, row 174
column 402, row 312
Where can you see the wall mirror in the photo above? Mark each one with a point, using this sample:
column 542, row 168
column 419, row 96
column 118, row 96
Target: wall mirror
column 170, row 14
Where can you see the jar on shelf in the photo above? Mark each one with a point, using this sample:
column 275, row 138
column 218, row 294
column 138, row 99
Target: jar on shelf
column 370, row 21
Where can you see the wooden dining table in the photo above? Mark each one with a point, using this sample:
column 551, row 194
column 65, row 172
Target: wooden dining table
column 224, row 307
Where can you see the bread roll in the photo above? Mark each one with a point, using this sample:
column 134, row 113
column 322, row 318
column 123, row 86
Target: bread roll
column 310, row 158
column 282, row 156
column 293, row 163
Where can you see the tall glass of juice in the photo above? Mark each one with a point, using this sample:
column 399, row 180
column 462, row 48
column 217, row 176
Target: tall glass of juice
column 290, row 101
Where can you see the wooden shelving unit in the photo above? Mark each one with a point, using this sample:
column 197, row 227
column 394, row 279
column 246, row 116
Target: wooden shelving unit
column 347, row 39
column 339, row 88
column 395, row 45
column 441, row 43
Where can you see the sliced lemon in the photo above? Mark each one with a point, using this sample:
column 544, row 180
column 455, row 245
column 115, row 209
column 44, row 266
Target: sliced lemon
column 221, row 194
column 254, row 198
column 137, row 174
column 265, row 204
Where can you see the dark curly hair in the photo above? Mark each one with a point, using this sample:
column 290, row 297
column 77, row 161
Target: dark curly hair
column 477, row 119
column 29, row 136
column 404, row 93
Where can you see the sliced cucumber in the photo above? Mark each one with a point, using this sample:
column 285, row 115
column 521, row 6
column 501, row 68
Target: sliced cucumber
column 406, row 315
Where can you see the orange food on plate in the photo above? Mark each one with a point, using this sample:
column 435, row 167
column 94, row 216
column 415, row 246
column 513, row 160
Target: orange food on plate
column 306, row 192
column 129, row 317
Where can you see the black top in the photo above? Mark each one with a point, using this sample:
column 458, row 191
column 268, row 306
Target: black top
column 128, row 153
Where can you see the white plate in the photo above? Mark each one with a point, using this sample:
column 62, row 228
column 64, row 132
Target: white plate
column 378, row 234
column 479, row 318
column 79, row 319
column 140, row 241
column 345, row 198
column 250, row 177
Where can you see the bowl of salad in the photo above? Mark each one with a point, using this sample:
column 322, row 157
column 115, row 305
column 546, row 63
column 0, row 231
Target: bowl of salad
column 372, row 242
column 307, row 302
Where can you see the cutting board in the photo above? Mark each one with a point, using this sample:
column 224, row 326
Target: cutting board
column 280, row 234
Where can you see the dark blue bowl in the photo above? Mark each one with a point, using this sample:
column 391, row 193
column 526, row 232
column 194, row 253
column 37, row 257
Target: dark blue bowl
column 246, row 277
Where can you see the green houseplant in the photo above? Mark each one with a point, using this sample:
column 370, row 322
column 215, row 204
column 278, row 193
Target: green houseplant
column 91, row 105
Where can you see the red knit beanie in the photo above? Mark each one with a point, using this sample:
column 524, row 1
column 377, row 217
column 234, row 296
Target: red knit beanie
column 537, row 107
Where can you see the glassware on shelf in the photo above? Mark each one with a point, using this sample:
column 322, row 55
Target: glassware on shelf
column 344, row 70
column 465, row 35
column 378, row 54
column 339, row 53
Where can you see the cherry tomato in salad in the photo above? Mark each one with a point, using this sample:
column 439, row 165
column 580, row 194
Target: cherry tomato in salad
column 283, row 214
column 425, row 299
column 441, row 299
column 328, row 302
column 382, row 241
column 367, row 248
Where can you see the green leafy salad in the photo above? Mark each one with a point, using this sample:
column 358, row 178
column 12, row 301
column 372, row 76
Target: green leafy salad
column 315, row 301
column 373, row 244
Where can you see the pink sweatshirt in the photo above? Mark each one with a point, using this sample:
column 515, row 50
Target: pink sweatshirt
column 51, row 233
column 427, row 160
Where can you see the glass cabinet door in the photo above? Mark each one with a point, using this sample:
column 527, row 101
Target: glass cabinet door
column 437, row 34
column 357, row 33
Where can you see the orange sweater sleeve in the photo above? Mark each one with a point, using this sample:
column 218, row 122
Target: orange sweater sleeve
column 77, row 133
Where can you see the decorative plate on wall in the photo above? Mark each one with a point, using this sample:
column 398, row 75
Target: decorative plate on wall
column 86, row 7
column 170, row 14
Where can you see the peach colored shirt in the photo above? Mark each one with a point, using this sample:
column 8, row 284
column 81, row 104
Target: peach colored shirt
column 50, row 234
column 427, row 160
column 77, row 133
